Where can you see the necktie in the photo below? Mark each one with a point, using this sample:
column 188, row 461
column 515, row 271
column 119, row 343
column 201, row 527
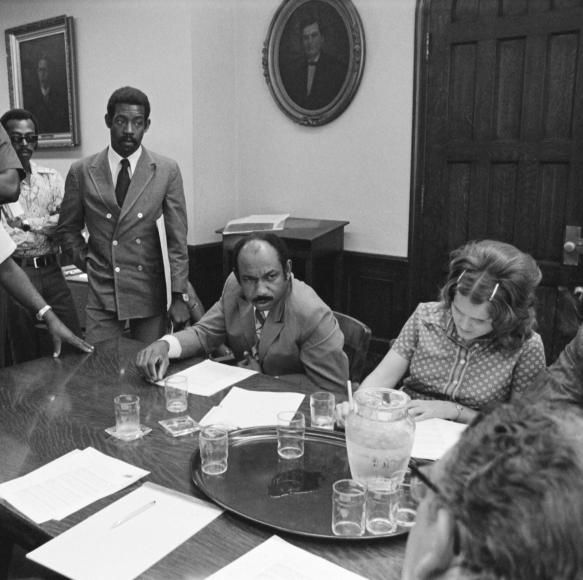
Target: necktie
column 123, row 182
column 259, row 322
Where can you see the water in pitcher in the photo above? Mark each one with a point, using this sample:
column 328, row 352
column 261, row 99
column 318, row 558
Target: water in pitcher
column 379, row 434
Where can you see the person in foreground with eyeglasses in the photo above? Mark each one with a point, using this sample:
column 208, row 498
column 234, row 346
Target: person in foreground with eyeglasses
column 33, row 232
column 476, row 347
column 506, row 503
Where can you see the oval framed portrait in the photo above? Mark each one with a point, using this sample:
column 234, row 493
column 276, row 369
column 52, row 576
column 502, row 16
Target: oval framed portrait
column 313, row 59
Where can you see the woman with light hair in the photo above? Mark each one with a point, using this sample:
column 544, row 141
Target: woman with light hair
column 474, row 348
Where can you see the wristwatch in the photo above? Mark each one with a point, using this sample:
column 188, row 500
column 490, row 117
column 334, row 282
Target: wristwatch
column 42, row 312
column 183, row 295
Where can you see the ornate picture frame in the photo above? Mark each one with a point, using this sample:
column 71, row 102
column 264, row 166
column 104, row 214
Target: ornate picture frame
column 313, row 59
column 42, row 78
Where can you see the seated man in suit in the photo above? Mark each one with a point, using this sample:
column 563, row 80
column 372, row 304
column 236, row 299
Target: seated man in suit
column 506, row 503
column 273, row 323
column 563, row 380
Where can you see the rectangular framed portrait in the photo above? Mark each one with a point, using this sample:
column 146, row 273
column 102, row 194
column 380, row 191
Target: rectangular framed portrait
column 42, row 78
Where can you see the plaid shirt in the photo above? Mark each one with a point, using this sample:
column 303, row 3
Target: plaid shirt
column 444, row 367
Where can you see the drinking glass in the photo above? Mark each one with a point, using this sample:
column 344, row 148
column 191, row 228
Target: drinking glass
column 127, row 415
column 176, row 392
column 322, row 410
column 291, row 427
column 348, row 503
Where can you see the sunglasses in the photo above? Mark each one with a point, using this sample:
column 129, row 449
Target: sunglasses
column 18, row 139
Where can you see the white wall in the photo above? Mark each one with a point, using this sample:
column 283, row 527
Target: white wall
column 199, row 61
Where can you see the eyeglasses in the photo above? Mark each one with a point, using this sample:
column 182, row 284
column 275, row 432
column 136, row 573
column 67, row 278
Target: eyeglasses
column 420, row 483
column 18, row 139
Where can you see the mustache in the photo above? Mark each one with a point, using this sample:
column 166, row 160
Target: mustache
column 262, row 300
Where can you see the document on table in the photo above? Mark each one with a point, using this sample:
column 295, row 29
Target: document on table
column 94, row 550
column 275, row 558
column 69, row 483
column 434, row 437
column 242, row 408
column 208, row 377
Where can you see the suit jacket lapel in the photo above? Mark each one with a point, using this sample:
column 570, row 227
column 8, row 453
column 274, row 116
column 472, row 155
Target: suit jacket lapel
column 145, row 170
column 101, row 175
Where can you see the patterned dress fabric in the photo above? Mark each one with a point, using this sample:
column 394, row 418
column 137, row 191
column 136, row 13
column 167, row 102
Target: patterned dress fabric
column 443, row 367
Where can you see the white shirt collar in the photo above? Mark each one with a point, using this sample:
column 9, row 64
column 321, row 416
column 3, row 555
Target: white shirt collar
column 115, row 162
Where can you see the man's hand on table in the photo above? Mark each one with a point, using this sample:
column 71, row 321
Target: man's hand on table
column 250, row 363
column 153, row 361
column 60, row 333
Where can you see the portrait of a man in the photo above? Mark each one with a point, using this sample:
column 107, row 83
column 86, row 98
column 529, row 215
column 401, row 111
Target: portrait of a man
column 314, row 53
column 44, row 86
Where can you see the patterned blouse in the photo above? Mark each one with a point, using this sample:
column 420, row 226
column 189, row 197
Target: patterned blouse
column 444, row 367
column 41, row 202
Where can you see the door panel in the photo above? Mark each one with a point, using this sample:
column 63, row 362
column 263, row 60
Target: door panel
column 502, row 146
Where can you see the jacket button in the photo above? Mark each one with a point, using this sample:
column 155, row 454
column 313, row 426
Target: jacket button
column 140, row 268
column 117, row 269
column 108, row 216
column 138, row 241
column 115, row 242
column 140, row 215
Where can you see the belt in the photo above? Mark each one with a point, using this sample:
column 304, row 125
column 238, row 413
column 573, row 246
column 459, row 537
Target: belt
column 39, row 262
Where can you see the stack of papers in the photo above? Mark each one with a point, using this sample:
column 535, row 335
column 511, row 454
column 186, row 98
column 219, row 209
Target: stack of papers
column 151, row 522
column 241, row 408
column 208, row 377
column 435, row 437
column 254, row 223
column 68, row 484
column 275, row 558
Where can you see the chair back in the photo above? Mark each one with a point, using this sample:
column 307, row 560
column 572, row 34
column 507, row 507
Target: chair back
column 356, row 340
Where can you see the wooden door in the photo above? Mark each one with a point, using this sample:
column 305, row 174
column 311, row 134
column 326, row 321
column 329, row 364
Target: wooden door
column 500, row 141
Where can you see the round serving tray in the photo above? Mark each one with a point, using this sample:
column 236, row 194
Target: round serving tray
column 292, row 496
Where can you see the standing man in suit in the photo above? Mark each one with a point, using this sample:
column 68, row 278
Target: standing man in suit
column 274, row 323
column 119, row 195
column 319, row 76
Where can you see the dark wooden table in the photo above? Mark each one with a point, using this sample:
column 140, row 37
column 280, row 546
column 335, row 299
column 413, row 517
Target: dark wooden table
column 50, row 407
column 308, row 240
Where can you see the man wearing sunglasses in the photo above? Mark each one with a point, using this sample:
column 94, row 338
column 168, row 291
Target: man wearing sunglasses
column 506, row 503
column 41, row 194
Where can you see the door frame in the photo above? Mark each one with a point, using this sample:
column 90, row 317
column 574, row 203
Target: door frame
column 420, row 71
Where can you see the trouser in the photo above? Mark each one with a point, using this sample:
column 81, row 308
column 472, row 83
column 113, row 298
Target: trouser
column 25, row 339
column 104, row 324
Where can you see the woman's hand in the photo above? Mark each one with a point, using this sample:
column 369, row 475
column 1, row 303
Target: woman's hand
column 342, row 410
column 421, row 410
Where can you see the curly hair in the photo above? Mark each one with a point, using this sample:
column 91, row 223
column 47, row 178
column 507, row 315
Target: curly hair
column 18, row 115
column 514, row 486
column 498, row 273
column 129, row 96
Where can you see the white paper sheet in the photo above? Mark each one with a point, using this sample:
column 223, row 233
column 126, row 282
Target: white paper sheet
column 434, row 437
column 242, row 408
column 161, row 225
column 209, row 377
column 68, row 484
column 275, row 558
column 92, row 550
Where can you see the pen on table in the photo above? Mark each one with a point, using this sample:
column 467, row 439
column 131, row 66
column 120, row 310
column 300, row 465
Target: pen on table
column 350, row 403
column 132, row 515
